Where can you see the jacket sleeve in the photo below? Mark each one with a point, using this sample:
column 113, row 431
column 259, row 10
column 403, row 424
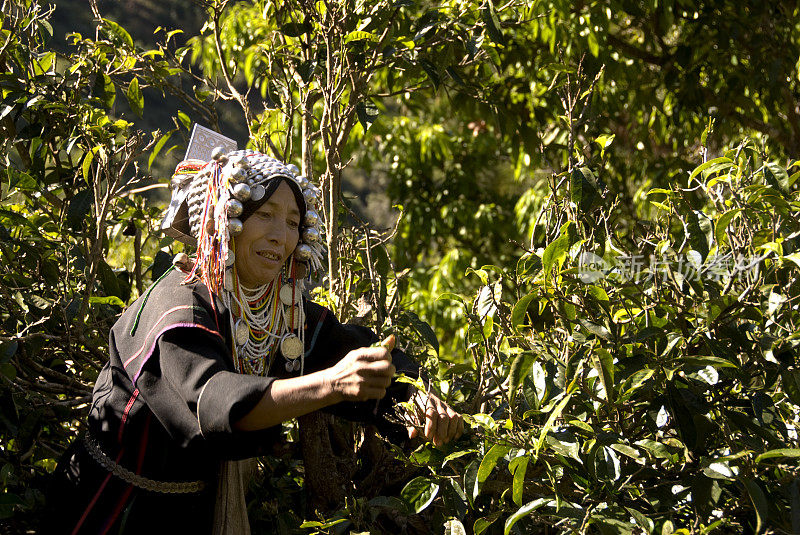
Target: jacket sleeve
column 190, row 387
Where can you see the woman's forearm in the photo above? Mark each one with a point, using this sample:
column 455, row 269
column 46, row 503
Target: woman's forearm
column 289, row 398
column 362, row 374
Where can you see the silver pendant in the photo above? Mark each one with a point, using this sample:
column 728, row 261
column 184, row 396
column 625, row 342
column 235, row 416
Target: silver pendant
column 242, row 332
column 227, row 281
column 297, row 365
column 229, row 261
column 289, row 366
column 286, row 295
column 257, row 192
column 291, row 347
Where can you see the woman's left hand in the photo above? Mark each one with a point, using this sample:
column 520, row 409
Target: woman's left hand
column 433, row 419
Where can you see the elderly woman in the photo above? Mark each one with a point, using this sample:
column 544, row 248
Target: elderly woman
column 208, row 362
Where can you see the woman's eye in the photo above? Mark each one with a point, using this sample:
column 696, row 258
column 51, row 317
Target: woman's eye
column 294, row 224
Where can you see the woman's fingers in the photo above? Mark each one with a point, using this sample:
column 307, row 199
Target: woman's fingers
column 437, row 422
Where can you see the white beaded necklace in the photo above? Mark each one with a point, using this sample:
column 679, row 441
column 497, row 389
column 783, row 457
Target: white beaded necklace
column 257, row 333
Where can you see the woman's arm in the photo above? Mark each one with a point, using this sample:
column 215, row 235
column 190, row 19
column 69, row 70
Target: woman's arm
column 362, row 374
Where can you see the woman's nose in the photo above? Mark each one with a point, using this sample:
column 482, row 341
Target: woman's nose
column 277, row 233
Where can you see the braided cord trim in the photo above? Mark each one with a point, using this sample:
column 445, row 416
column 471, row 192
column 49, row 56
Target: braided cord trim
column 166, row 487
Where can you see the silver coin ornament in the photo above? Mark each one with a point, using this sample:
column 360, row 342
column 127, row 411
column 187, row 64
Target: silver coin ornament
column 293, row 169
column 311, row 219
column 291, row 347
column 241, row 192
column 310, row 196
column 217, row 153
column 300, row 271
column 227, row 280
column 301, row 181
column 234, row 208
column 238, row 174
column 286, row 295
column 240, row 161
column 311, row 235
column 303, row 252
column 242, row 332
column 230, row 259
column 234, row 226
column 257, row 192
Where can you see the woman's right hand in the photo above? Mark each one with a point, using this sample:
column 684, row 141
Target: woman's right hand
column 363, row 373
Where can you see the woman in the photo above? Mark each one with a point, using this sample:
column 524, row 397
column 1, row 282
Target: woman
column 215, row 355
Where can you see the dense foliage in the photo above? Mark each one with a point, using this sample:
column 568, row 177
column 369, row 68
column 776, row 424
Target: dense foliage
column 599, row 219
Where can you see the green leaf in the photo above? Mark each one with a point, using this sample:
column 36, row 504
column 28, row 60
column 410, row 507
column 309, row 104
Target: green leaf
column 104, row 89
column 722, row 225
column 794, row 257
column 108, row 300
column 358, row 35
column 451, row 297
column 708, row 361
column 424, row 329
column 555, row 253
column 367, row 112
column 628, row 451
column 791, row 384
column 582, row 189
column 490, row 460
column 522, row 512
column 596, row 329
column 554, row 415
column 87, row 165
column 779, row 453
column 135, row 98
column 454, row 527
column 760, row 503
column 520, row 368
column 777, row 177
column 115, row 30
column 492, row 23
column 108, row 280
column 185, row 120
column 518, row 468
column 603, row 362
column 519, row 313
column 159, row 145
column 482, row 523
column 594, row 46
column 714, row 165
column 419, row 493
column 697, row 236
column 456, row 455
column 656, row 449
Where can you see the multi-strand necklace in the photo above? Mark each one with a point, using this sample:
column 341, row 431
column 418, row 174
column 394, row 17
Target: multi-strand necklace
column 262, row 321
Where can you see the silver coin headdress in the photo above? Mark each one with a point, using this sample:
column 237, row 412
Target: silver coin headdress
column 210, row 201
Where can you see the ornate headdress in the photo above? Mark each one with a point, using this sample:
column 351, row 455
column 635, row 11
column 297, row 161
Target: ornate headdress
column 210, row 200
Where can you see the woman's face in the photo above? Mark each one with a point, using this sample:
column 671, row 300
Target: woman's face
column 268, row 238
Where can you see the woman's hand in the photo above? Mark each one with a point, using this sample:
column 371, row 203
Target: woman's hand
column 363, row 373
column 433, row 419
